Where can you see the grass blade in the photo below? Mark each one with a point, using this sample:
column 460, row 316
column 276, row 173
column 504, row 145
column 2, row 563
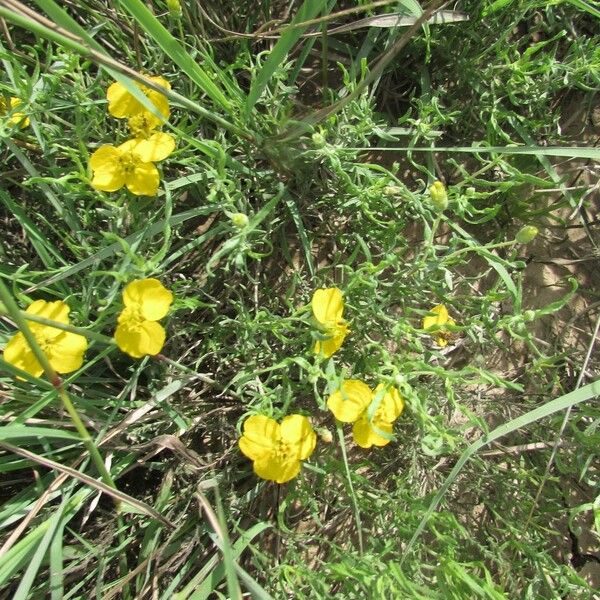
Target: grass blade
column 174, row 50
column 308, row 10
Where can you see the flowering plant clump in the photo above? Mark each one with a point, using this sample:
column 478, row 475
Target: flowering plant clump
column 63, row 349
column 277, row 450
column 328, row 308
column 16, row 118
column 146, row 302
column 352, row 404
column 437, row 320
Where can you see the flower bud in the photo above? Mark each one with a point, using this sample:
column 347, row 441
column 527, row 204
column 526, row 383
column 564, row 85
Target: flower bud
column 174, row 7
column 318, row 139
column 392, row 190
column 325, row 435
column 239, row 220
column 470, row 191
column 526, row 234
column 439, row 197
column 528, row 316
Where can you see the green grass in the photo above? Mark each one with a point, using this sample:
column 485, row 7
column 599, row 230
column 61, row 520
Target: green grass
column 328, row 144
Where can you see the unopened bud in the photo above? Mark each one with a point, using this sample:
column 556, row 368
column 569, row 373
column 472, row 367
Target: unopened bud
column 470, row 191
column 526, row 234
column 528, row 316
column 325, row 435
column 239, row 220
column 439, row 197
column 174, row 7
column 318, row 139
column 392, row 190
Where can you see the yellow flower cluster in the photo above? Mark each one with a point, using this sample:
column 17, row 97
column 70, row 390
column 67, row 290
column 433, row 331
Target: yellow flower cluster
column 277, row 450
column 131, row 164
column 138, row 334
column 371, row 412
column 8, row 106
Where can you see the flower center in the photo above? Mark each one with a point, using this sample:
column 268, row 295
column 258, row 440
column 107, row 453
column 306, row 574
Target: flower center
column 141, row 126
column 283, row 451
column 128, row 162
column 44, row 340
column 132, row 316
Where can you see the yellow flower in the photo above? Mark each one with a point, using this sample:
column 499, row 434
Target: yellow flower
column 146, row 301
column 350, row 404
column 439, row 318
column 439, row 196
column 116, row 166
column 64, row 349
column 122, row 104
column 151, row 145
column 388, row 410
column 350, row 401
column 328, row 307
column 16, row 118
column 277, row 449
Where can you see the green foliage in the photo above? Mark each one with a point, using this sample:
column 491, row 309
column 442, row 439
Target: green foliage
column 265, row 199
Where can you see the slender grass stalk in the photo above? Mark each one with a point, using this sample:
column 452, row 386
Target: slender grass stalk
column 92, row 335
column 462, row 251
column 357, row 518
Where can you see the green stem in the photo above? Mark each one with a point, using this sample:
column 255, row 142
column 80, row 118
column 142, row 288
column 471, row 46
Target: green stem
column 477, row 248
column 92, row 335
column 357, row 518
column 14, row 312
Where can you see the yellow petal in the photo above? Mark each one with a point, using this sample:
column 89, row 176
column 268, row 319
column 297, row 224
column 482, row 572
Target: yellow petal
column 105, row 157
column 391, row 405
column 18, row 353
column 365, row 436
column 349, row 402
column 438, row 317
column 149, row 296
column 297, row 431
column 109, row 175
column 122, row 104
column 260, row 436
column 143, row 180
column 328, row 305
column 160, row 101
column 139, row 339
column 120, row 101
column 274, row 469
column 66, row 353
column 158, row 80
column 157, row 147
column 55, row 311
column 108, row 181
column 18, row 118
column 330, row 346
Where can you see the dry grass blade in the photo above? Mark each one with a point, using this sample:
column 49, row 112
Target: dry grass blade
column 116, row 494
column 400, row 20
